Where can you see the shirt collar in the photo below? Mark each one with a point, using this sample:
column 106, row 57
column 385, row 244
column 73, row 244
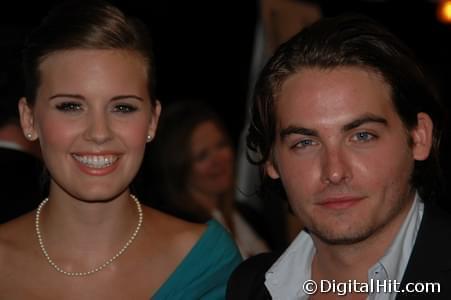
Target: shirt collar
column 394, row 262
column 284, row 281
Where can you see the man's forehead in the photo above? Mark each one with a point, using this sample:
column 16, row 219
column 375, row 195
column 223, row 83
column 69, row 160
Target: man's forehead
column 318, row 97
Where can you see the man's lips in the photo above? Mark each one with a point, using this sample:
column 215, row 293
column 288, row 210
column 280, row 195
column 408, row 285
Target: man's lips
column 340, row 202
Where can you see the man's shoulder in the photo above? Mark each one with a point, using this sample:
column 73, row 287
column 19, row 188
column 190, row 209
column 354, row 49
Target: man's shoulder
column 247, row 281
column 434, row 235
column 258, row 264
column 430, row 260
column 436, row 220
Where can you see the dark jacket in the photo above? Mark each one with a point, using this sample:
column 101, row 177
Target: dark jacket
column 430, row 261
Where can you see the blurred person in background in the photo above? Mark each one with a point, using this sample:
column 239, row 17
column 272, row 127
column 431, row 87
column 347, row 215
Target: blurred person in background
column 190, row 171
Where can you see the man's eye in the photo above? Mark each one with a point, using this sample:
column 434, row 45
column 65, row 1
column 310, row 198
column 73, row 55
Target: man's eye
column 69, row 106
column 124, row 108
column 363, row 136
column 304, row 144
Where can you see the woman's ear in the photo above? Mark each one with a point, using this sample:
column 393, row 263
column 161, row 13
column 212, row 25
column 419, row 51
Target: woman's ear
column 27, row 120
column 156, row 111
column 422, row 137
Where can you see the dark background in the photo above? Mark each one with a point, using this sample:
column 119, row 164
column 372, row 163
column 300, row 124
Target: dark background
column 203, row 48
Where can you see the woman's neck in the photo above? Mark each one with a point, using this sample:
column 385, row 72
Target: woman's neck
column 69, row 223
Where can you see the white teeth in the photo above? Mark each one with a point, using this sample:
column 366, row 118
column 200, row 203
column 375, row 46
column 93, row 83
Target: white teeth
column 96, row 161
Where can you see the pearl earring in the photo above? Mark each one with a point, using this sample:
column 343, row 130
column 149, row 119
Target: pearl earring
column 29, row 136
column 149, row 138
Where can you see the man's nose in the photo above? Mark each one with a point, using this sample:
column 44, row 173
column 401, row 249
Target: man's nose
column 335, row 166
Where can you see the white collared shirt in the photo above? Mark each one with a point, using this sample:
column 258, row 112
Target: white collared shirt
column 285, row 278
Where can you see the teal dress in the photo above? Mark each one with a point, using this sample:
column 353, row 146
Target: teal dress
column 204, row 272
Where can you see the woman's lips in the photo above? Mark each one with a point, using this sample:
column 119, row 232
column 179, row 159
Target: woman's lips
column 96, row 164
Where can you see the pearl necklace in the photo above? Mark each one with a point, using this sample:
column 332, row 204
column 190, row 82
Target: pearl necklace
column 102, row 266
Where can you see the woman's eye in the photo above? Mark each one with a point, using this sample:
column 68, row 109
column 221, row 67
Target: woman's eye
column 69, row 106
column 363, row 136
column 124, row 108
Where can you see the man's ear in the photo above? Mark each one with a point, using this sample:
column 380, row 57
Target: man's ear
column 156, row 111
column 27, row 120
column 422, row 137
column 271, row 168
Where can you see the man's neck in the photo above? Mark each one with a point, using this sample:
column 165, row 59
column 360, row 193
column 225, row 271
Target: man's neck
column 342, row 263
column 352, row 261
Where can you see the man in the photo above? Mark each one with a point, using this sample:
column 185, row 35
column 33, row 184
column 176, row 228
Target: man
column 345, row 120
column 20, row 166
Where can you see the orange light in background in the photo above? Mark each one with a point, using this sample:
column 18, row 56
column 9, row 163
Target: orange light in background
column 444, row 11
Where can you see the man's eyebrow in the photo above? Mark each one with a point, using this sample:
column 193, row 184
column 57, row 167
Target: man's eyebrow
column 297, row 130
column 369, row 118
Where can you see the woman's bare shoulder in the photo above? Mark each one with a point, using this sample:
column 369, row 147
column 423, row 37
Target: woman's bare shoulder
column 17, row 230
column 17, row 241
column 173, row 231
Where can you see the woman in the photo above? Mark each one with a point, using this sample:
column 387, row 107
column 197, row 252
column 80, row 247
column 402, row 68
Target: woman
column 90, row 103
column 191, row 164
